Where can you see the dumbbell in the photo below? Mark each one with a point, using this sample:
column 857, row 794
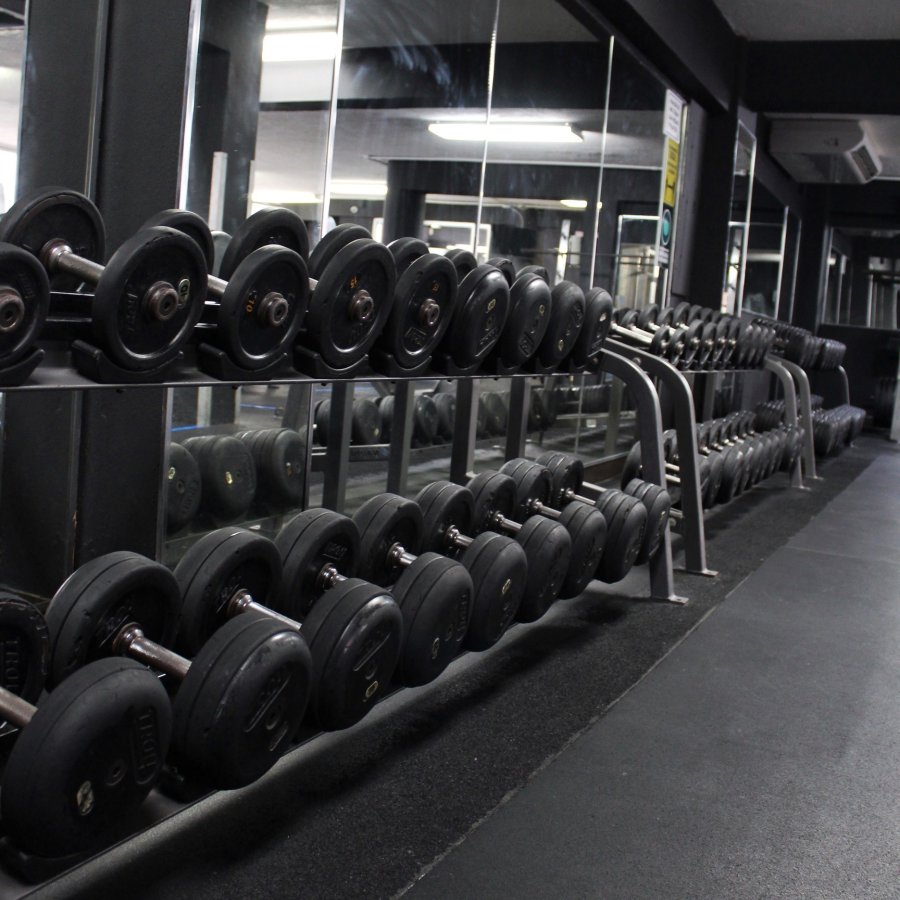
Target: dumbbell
column 425, row 419
column 464, row 261
column 700, row 336
column 633, row 469
column 637, row 538
column 352, row 281
column 663, row 343
column 353, row 629
column 530, row 314
column 24, row 302
column 497, row 564
column 238, row 702
column 147, row 298
column 526, row 495
column 261, row 305
column 365, row 421
column 567, row 304
column 88, row 755
column 434, row 592
column 183, row 488
column 598, row 318
column 547, row 544
column 279, row 457
column 227, row 475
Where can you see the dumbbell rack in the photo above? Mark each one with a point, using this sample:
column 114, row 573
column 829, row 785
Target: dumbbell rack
column 793, row 377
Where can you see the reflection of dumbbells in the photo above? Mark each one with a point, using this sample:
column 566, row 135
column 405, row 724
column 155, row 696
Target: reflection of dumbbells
column 497, row 564
column 279, row 455
column 365, row 421
column 353, row 629
column 434, row 592
column 183, row 488
column 88, row 755
column 262, row 304
column 147, row 298
column 547, row 544
column 240, row 699
column 425, row 419
column 227, row 475
column 521, row 491
column 566, row 476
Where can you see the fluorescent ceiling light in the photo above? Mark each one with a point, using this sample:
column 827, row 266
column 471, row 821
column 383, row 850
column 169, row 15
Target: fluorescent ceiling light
column 570, row 203
column 360, row 189
column 299, row 46
column 277, row 197
column 506, row 131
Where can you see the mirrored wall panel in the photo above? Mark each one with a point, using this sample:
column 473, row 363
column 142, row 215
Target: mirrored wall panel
column 12, row 53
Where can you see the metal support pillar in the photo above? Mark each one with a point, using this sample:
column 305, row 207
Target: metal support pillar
column 462, row 455
column 337, row 453
column 298, row 415
column 517, row 420
column 686, row 433
column 649, row 419
column 401, row 437
column 790, row 409
column 612, row 418
column 809, row 449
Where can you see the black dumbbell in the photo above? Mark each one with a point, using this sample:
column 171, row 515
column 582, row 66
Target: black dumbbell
column 547, row 544
column 434, row 592
column 227, row 475
column 148, row 297
column 353, row 629
column 365, row 421
column 568, row 307
column 464, row 261
column 530, row 309
column 598, row 318
column 426, row 419
column 497, row 564
column 87, row 757
column 238, row 702
column 279, row 455
column 261, row 305
column 24, row 302
column 531, row 497
column 183, row 488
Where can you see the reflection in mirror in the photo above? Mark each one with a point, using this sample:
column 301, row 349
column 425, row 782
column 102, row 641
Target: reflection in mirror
column 739, row 225
column 12, row 51
column 765, row 253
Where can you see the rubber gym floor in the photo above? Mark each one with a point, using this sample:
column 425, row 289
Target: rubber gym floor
column 743, row 745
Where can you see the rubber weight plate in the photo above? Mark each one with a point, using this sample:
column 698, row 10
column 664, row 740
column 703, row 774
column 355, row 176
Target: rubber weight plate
column 505, row 266
column 281, row 468
column 548, row 549
column 658, row 504
column 426, row 421
column 626, row 523
column 241, row 702
column 24, row 302
column 533, row 485
column 566, row 474
column 568, row 306
column 270, row 225
column 182, row 488
column 496, row 413
column 216, row 568
column 435, row 596
column 529, row 315
column 332, row 242
column 445, row 405
column 351, row 302
column 87, row 760
column 587, row 531
column 482, row 305
column 598, row 307
column 365, row 422
column 24, row 648
column 444, row 505
column 406, row 251
column 492, row 493
column 227, row 474
column 188, row 223
column 384, row 521
column 464, row 261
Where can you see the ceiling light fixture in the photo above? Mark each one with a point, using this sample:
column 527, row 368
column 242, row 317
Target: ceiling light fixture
column 360, row 189
column 533, row 132
column 299, row 46
column 571, row 203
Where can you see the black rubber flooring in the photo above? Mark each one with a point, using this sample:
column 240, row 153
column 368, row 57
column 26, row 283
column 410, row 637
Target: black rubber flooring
column 364, row 812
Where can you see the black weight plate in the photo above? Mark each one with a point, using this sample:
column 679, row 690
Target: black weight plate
column 365, row 422
column 241, row 702
column 263, row 306
column 386, row 413
column 192, row 225
column 270, row 225
column 661, row 342
column 587, row 530
column 341, row 325
column 384, row 521
column 506, row 266
column 496, row 413
column 680, row 313
column 464, row 261
column 24, row 302
column 499, row 570
column 321, row 415
column 677, row 347
column 426, row 420
column 444, row 505
column 24, row 648
column 566, row 474
column 540, row 271
column 435, row 596
column 527, row 321
column 182, row 488
column 693, row 339
column 355, row 636
column 598, row 308
column 424, row 299
column 548, row 549
column 87, row 760
column 633, row 464
column 312, row 540
column 533, row 484
column 335, row 240
column 213, row 570
column 445, row 404
column 482, row 305
column 98, row 599
column 227, row 474
column 406, row 251
column 568, row 318
column 658, row 504
column 120, row 317
column 281, row 470
column 707, row 345
column 56, row 214
column 481, row 429
column 626, row 535
column 492, row 493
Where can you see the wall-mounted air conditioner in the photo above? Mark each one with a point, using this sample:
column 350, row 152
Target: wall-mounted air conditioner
column 833, row 151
